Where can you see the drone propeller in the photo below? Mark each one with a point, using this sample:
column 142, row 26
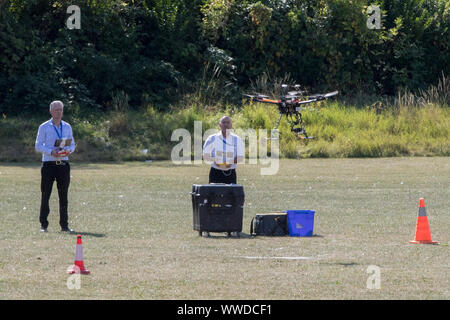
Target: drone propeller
column 257, row 96
column 330, row 94
column 290, row 97
column 307, row 101
column 321, row 96
column 295, row 93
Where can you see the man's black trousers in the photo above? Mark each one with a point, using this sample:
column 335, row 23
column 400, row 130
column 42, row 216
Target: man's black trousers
column 221, row 176
column 50, row 172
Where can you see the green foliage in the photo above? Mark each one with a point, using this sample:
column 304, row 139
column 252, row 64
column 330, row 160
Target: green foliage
column 110, row 53
column 339, row 131
column 159, row 52
column 215, row 16
column 352, row 132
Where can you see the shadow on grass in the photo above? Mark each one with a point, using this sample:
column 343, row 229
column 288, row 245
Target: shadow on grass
column 340, row 263
column 223, row 235
column 89, row 234
column 347, row 264
column 242, row 235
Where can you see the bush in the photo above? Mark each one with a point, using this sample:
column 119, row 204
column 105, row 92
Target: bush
column 168, row 52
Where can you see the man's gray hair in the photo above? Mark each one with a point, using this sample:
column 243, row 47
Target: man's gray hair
column 55, row 103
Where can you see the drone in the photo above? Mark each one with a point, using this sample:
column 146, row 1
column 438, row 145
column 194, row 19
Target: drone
column 289, row 106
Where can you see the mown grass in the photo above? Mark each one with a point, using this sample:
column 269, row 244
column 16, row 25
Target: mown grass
column 138, row 240
column 339, row 131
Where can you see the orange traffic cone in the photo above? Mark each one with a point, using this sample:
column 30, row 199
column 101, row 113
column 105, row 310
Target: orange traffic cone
column 423, row 234
column 78, row 266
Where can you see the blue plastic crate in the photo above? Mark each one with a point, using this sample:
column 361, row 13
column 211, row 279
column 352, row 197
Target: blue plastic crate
column 300, row 222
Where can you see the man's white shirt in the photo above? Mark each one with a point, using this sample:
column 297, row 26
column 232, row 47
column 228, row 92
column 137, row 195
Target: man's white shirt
column 223, row 150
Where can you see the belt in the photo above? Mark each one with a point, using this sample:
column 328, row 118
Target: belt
column 57, row 162
column 229, row 170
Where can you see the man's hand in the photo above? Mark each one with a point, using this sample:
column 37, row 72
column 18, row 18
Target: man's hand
column 55, row 153
column 64, row 153
column 226, row 165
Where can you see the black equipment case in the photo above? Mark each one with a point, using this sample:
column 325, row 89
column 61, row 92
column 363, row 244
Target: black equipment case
column 269, row 224
column 218, row 207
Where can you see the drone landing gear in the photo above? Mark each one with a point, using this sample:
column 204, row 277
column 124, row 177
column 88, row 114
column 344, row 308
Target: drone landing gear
column 298, row 130
column 301, row 133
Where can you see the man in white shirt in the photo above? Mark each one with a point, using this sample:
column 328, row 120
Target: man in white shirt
column 55, row 163
column 224, row 150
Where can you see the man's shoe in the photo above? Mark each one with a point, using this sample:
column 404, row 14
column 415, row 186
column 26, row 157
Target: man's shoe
column 66, row 229
column 43, row 229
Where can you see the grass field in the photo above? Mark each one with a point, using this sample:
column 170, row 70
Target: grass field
column 138, row 241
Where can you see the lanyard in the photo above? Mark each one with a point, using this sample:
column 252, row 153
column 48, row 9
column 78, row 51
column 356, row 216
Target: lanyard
column 57, row 133
column 225, row 143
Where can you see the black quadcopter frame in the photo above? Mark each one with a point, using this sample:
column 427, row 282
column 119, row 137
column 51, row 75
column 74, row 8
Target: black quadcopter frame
column 289, row 106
